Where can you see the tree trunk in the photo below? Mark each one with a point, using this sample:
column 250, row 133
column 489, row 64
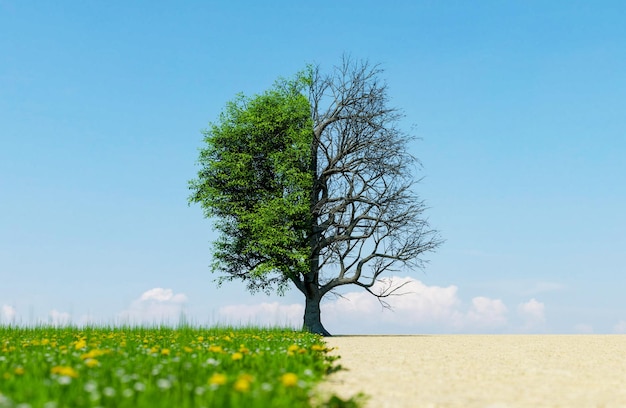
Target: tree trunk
column 312, row 316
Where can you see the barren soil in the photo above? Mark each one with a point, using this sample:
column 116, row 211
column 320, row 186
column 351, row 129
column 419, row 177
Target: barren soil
column 482, row 370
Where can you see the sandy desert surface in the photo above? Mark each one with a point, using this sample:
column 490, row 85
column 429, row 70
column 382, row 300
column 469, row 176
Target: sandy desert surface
column 482, row 370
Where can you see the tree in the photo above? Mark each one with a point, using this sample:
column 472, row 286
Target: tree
column 310, row 184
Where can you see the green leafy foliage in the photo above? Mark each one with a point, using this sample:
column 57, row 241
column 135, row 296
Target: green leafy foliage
column 256, row 184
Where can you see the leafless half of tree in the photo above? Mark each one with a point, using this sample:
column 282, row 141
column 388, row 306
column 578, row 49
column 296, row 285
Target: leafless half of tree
column 367, row 219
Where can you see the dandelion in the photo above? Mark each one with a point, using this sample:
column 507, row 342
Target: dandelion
column 80, row 344
column 237, row 356
column 242, row 385
column 293, row 347
column 19, row 371
column 64, row 371
column 317, row 347
column 91, row 362
column 165, row 352
column 289, row 379
column 215, row 349
column 217, row 379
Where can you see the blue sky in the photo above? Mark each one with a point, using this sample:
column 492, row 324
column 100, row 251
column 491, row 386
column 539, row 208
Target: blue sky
column 519, row 105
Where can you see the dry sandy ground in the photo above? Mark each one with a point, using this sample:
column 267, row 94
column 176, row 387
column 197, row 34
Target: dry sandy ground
column 482, row 370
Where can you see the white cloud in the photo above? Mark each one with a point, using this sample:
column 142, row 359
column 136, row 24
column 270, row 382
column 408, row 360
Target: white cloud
column 418, row 305
column 155, row 306
column 163, row 295
column 421, row 308
column 8, row 313
column 264, row 314
column 532, row 313
column 620, row 327
column 486, row 312
column 57, row 318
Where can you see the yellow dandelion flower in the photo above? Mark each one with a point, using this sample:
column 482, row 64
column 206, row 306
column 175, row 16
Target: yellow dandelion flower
column 293, row 347
column 80, row 344
column 94, row 353
column 237, row 356
column 165, row 352
column 91, row 362
column 289, row 379
column 19, row 371
column 215, row 349
column 243, row 349
column 217, row 379
column 64, row 370
column 243, row 383
column 187, row 349
column 317, row 347
column 200, row 338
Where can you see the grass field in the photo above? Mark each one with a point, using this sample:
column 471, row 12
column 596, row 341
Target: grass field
column 159, row 367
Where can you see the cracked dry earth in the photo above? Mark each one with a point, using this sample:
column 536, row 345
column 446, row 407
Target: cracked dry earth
column 481, row 370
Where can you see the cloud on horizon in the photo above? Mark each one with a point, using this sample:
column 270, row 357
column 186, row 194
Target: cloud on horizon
column 7, row 314
column 420, row 308
column 57, row 318
column 155, row 306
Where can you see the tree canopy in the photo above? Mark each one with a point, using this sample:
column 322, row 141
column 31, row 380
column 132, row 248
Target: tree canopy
column 311, row 183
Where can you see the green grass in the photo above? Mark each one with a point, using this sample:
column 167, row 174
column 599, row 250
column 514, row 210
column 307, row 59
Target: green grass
column 159, row 367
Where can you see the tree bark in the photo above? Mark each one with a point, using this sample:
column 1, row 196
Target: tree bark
column 312, row 316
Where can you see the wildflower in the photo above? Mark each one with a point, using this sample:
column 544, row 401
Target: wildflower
column 139, row 386
column 64, row 380
column 289, row 379
column 187, row 349
column 90, row 387
column 80, row 344
column 165, row 352
column 200, row 338
column 19, row 371
column 213, row 362
column 217, row 379
column 293, row 347
column 94, row 353
column 109, row 392
column 317, row 347
column 237, row 356
column 242, row 384
column 64, row 371
column 163, row 383
column 216, row 349
column 91, row 362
